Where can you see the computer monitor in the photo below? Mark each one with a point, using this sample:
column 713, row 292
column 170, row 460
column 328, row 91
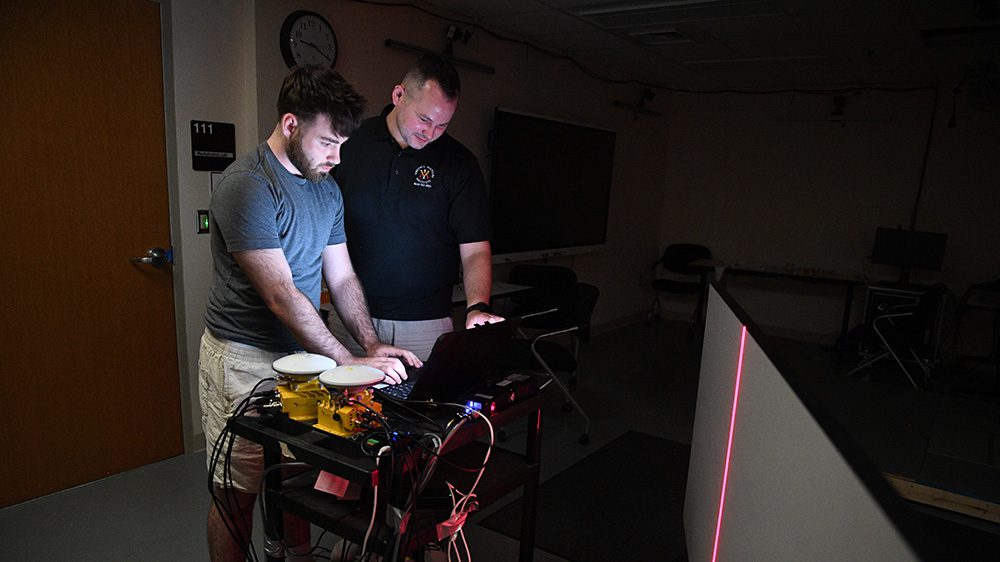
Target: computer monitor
column 908, row 250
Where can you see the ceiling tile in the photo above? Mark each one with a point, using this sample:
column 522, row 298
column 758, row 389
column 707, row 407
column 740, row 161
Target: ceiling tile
column 810, row 73
column 529, row 24
column 854, row 22
column 931, row 14
column 573, row 3
column 582, row 41
column 481, row 8
column 757, row 29
column 697, row 52
column 800, row 42
column 813, row 6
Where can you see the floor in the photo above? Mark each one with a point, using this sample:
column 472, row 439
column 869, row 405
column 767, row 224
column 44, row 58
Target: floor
column 157, row 512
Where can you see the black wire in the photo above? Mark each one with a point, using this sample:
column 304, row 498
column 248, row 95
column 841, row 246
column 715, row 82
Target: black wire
column 232, row 500
column 261, row 501
column 411, row 509
column 225, row 509
column 387, row 487
column 445, row 459
column 402, row 404
column 384, row 423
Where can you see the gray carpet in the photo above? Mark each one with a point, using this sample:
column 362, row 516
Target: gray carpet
column 625, row 499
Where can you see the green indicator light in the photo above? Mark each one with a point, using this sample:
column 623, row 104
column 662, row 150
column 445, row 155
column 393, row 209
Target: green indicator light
column 203, row 221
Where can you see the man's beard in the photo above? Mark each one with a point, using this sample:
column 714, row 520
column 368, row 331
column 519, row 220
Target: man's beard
column 298, row 158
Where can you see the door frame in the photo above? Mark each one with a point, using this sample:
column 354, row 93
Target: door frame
column 184, row 380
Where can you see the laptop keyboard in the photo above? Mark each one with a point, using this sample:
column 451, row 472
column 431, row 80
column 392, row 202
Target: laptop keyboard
column 402, row 390
column 398, row 391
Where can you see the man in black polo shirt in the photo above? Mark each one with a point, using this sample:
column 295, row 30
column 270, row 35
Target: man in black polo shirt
column 415, row 205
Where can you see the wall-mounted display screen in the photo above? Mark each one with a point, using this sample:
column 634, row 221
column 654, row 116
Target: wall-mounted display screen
column 551, row 184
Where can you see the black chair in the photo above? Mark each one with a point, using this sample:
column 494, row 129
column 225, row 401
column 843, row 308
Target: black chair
column 549, row 289
column 557, row 305
column 553, row 290
column 685, row 279
column 909, row 333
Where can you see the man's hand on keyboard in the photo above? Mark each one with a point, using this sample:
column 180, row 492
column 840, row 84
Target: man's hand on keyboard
column 393, row 368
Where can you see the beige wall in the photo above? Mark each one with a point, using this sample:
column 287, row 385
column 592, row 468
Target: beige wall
column 757, row 187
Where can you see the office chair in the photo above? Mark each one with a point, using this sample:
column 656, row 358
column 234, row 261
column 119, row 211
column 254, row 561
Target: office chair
column 549, row 284
column 554, row 290
column 909, row 331
column 562, row 306
column 687, row 280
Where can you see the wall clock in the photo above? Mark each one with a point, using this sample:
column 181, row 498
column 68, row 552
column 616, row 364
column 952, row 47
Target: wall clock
column 307, row 38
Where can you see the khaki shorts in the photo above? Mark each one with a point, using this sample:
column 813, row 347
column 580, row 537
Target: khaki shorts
column 227, row 372
column 417, row 336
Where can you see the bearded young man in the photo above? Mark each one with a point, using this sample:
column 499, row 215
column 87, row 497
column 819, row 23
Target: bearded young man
column 278, row 230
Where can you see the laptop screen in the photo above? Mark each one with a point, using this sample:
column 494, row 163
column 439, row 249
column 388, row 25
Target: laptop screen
column 460, row 361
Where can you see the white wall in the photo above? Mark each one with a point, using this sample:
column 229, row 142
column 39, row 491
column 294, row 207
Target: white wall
column 758, row 188
column 227, row 67
column 209, row 46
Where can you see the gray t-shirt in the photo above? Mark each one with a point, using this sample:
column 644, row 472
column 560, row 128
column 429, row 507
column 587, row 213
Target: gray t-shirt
column 259, row 205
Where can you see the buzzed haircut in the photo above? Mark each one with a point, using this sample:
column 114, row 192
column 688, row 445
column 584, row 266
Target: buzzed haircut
column 311, row 90
column 437, row 68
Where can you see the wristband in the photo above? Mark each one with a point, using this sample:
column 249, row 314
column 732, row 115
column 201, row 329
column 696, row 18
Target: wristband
column 480, row 306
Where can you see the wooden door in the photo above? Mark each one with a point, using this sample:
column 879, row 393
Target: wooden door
column 89, row 353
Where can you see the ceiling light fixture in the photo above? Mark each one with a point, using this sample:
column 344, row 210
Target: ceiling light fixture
column 756, row 59
column 624, row 7
column 660, row 36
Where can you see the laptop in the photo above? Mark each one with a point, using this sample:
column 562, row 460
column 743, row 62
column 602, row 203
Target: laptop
column 459, row 362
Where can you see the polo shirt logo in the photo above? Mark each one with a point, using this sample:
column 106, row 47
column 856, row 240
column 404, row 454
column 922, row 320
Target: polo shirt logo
column 422, row 177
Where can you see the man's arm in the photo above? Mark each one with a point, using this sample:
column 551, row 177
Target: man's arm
column 271, row 277
column 348, row 298
column 477, row 279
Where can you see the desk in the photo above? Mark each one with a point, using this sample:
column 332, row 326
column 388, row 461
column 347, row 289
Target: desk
column 506, row 472
column 499, row 290
column 849, row 282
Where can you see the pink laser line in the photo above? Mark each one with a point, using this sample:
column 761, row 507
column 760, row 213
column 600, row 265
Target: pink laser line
column 729, row 446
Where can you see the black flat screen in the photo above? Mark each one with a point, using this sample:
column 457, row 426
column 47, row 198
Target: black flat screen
column 551, row 183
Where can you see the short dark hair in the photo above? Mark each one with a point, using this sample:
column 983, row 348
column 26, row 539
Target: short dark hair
column 311, row 90
column 437, row 68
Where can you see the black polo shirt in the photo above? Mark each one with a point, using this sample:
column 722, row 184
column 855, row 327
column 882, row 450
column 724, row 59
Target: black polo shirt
column 406, row 212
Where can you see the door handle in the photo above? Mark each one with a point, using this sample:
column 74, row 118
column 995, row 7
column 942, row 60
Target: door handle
column 156, row 257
